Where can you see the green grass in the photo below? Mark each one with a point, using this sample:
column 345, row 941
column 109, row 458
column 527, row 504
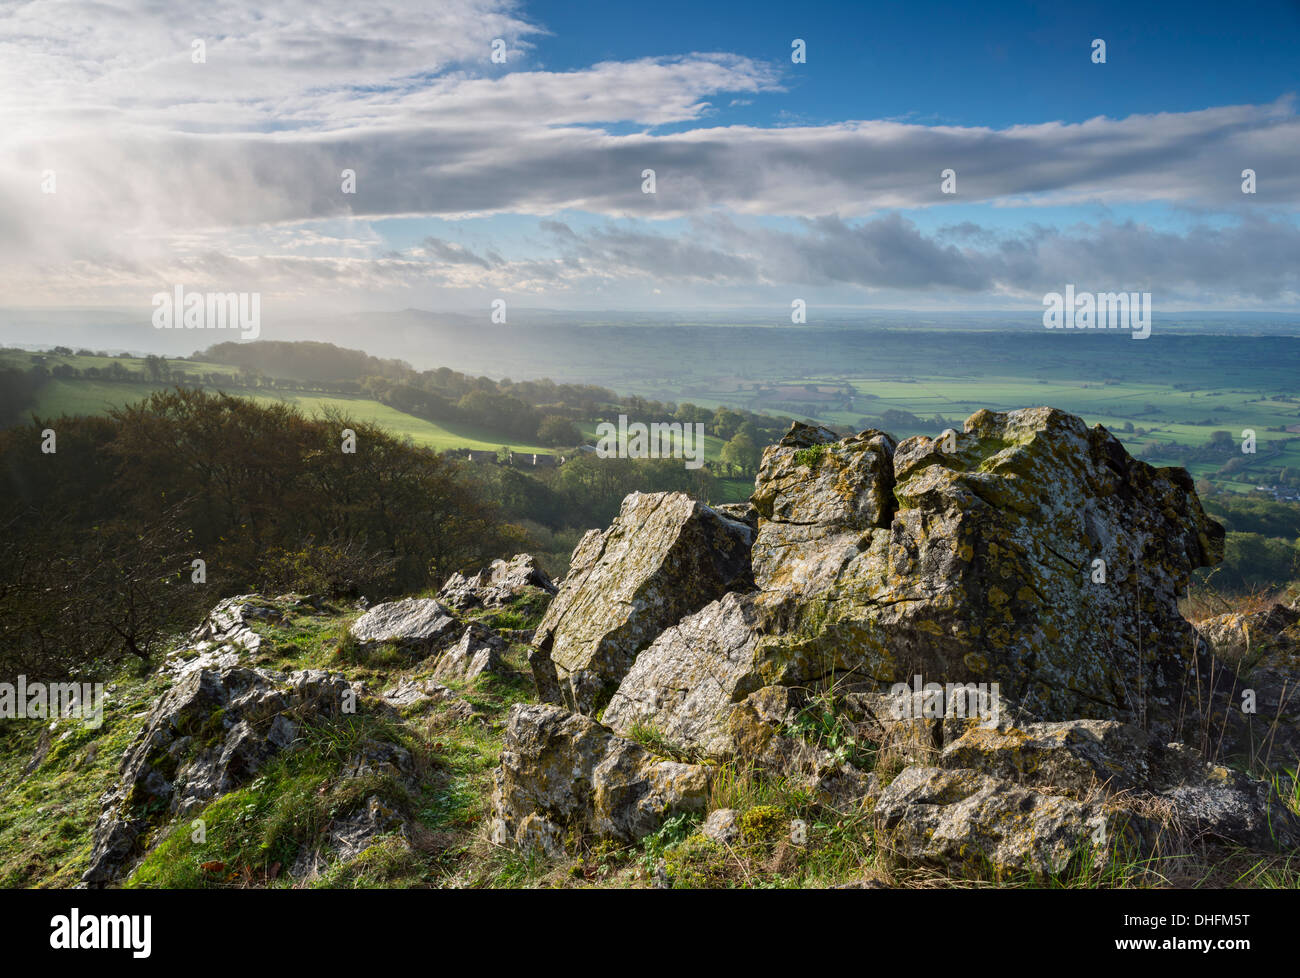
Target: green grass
column 80, row 396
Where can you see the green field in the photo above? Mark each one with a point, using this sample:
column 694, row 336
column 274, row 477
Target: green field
column 72, row 397
column 712, row 444
column 1163, row 398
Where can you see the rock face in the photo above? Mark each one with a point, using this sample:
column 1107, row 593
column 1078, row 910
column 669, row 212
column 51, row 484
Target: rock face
column 966, row 559
column 417, row 625
column 207, row 735
column 973, row 558
column 1027, row 557
column 564, row 774
column 478, row 651
column 496, row 584
column 687, row 681
column 664, row 556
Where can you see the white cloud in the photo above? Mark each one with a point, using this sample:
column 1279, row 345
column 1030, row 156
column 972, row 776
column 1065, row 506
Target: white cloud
column 233, row 166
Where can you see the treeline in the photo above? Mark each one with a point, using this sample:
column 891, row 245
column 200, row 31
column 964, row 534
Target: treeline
column 303, row 360
column 528, row 412
column 1262, row 548
column 98, row 538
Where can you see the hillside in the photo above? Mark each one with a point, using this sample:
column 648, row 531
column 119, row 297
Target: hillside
column 512, row 731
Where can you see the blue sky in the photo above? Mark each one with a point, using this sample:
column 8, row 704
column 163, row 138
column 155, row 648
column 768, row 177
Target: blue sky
column 522, row 180
column 979, row 64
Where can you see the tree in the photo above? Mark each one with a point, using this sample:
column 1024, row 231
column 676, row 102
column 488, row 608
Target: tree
column 726, row 422
column 1222, row 441
column 556, row 430
column 742, row 454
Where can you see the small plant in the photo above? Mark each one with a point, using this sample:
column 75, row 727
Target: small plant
column 810, row 456
column 652, row 739
column 763, row 823
column 819, row 724
column 674, row 831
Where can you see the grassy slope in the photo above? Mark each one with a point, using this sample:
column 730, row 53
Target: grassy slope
column 47, row 815
column 60, row 397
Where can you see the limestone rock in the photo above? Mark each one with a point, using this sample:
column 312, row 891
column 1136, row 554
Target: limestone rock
column 496, row 584
column 347, row 837
column 478, row 650
column 1234, row 634
column 1199, row 799
column 417, row 625
column 226, row 637
column 410, row 692
column 209, row 734
column 722, row 825
column 687, row 681
column 972, row 559
column 964, row 820
column 579, row 776
column 663, row 557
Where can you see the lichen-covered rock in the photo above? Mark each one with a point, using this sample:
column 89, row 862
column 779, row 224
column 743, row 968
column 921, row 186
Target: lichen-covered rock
column 686, row 683
column 416, row 625
column 496, row 584
column 973, row 558
column 478, row 651
column 662, row 558
column 1248, row 693
column 722, row 825
column 226, row 637
column 968, row 559
column 576, row 774
column 1026, row 556
column 966, row 821
column 412, row 692
column 209, row 734
column 1233, row 635
column 1196, row 798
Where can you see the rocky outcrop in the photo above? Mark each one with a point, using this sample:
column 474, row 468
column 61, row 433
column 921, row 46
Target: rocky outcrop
column 1027, row 550
column 664, row 556
column 226, row 637
column 1026, row 560
column 497, row 584
column 967, row 559
column 478, row 650
column 207, row 735
column 961, row 820
column 563, row 775
column 416, row 625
